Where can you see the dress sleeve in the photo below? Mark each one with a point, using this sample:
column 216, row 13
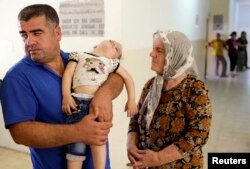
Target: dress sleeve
column 115, row 64
column 198, row 114
column 74, row 56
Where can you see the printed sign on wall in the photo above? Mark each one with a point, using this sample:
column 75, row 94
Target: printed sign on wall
column 218, row 22
column 83, row 18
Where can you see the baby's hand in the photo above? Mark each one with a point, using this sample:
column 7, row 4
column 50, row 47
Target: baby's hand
column 131, row 108
column 69, row 105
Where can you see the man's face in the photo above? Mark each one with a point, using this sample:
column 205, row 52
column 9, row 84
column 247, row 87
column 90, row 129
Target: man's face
column 41, row 39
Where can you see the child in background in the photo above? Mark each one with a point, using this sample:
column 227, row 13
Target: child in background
column 88, row 71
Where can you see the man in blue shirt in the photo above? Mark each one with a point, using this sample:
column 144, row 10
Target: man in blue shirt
column 31, row 95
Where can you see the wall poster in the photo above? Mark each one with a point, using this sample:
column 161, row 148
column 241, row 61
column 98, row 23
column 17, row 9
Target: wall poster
column 84, row 18
column 218, row 22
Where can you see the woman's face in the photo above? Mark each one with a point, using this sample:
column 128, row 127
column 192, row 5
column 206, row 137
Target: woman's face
column 158, row 56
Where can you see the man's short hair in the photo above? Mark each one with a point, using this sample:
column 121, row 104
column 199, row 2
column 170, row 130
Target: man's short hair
column 38, row 10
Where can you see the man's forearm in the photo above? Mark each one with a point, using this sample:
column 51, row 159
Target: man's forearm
column 112, row 87
column 42, row 135
column 101, row 104
column 45, row 135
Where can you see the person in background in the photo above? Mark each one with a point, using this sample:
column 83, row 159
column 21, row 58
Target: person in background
column 88, row 70
column 218, row 45
column 31, row 95
column 242, row 50
column 174, row 116
column 232, row 47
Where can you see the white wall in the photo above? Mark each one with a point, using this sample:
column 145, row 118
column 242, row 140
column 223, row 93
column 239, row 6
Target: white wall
column 132, row 22
column 141, row 18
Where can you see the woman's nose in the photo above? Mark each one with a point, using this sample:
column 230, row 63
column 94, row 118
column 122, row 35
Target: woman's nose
column 152, row 54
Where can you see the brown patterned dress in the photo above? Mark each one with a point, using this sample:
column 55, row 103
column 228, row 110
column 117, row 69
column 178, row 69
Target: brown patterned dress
column 182, row 118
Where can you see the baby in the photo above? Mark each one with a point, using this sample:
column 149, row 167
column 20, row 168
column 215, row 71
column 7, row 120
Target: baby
column 85, row 72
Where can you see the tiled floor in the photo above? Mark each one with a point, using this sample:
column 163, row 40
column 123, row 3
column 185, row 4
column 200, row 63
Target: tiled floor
column 230, row 130
column 11, row 159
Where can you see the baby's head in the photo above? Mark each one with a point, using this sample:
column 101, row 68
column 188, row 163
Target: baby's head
column 109, row 48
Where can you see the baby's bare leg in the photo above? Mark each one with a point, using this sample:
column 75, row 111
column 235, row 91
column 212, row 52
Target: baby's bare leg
column 99, row 156
column 74, row 164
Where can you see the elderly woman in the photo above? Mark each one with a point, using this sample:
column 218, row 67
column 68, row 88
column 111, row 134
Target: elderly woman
column 174, row 109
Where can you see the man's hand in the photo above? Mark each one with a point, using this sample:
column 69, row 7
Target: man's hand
column 101, row 104
column 46, row 135
column 102, row 108
column 92, row 132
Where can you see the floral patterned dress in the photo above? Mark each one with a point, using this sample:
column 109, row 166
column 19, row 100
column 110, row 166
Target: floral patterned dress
column 182, row 118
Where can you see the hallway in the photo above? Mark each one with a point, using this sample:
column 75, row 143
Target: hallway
column 230, row 130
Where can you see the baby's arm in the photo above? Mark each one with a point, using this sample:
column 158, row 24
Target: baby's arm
column 131, row 106
column 68, row 101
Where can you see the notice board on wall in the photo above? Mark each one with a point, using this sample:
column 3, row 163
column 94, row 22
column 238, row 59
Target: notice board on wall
column 218, row 22
column 83, row 18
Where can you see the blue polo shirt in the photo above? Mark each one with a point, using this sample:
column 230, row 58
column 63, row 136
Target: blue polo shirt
column 32, row 92
column 1, row 81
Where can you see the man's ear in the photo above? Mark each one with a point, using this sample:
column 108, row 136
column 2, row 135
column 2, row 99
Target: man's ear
column 58, row 33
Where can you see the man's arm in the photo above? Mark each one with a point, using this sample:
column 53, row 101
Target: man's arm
column 101, row 104
column 45, row 135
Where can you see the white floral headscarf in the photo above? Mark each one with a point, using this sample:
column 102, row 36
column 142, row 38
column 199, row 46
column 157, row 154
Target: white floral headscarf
column 179, row 59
